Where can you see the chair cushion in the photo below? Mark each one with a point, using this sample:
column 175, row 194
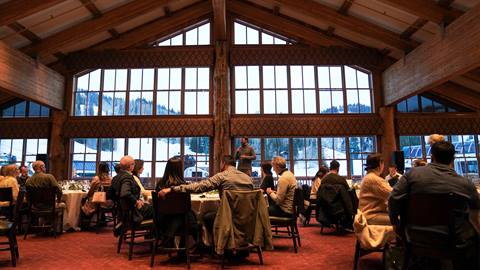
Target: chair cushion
column 280, row 219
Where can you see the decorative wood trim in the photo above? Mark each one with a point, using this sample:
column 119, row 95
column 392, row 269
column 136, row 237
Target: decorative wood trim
column 31, row 128
column 299, row 55
column 132, row 127
column 441, row 123
column 142, row 58
column 306, row 125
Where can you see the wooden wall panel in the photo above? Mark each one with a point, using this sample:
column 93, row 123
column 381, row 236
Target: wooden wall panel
column 113, row 127
column 424, row 124
column 33, row 128
column 334, row 125
column 141, row 58
column 299, row 55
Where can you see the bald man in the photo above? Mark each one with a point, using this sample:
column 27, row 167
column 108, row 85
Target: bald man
column 434, row 138
column 125, row 171
column 40, row 179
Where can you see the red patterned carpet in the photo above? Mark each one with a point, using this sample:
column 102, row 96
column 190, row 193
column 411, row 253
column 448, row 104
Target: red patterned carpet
column 87, row 250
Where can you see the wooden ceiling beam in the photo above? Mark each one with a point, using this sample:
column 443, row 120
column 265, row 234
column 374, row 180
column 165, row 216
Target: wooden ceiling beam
column 318, row 12
column 426, row 9
column 412, row 29
column 345, row 7
column 468, row 82
column 219, row 19
column 20, row 29
column 281, row 25
column 161, row 27
column 439, row 59
column 445, row 3
column 23, row 77
column 15, row 10
column 458, row 94
column 88, row 4
column 92, row 27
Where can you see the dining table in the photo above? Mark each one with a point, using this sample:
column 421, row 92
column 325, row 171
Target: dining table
column 73, row 202
column 202, row 204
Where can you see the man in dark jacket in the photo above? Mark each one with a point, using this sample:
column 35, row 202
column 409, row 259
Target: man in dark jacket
column 333, row 178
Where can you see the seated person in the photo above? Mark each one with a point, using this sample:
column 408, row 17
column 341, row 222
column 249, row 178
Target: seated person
column 128, row 190
column 101, row 179
column 41, row 179
column 9, row 181
column 137, row 171
column 317, row 181
column 267, row 181
column 23, row 177
column 333, row 178
column 172, row 176
column 283, row 196
column 393, row 175
column 229, row 178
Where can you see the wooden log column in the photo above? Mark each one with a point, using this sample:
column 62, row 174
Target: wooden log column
column 58, row 155
column 221, row 112
column 389, row 141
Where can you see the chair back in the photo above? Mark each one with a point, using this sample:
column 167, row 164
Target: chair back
column 6, row 195
column 298, row 204
column 41, row 198
column 18, row 207
column 173, row 203
column 429, row 222
column 334, row 205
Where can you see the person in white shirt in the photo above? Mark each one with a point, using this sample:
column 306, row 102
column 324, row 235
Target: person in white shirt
column 393, row 175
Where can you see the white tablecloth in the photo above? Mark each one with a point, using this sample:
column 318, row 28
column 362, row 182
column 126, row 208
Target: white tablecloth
column 202, row 205
column 73, row 201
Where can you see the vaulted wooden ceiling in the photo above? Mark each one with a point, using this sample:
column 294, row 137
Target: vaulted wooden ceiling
column 50, row 29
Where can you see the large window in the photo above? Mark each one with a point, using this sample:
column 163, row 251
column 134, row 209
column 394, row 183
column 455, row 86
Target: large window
column 466, row 152
column 298, row 90
column 162, row 91
column 305, row 155
column 21, row 151
column 198, row 35
column 427, row 104
column 247, row 34
column 155, row 152
column 22, row 109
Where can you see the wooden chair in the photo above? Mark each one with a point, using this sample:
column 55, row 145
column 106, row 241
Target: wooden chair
column 42, row 203
column 7, row 196
column 290, row 223
column 8, row 229
column 175, row 203
column 102, row 210
column 360, row 252
column 425, row 211
column 137, row 229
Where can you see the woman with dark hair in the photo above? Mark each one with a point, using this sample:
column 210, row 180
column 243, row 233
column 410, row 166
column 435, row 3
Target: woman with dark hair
column 100, row 181
column 317, row 181
column 173, row 174
column 267, row 181
column 137, row 171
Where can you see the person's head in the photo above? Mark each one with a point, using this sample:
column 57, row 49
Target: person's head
column 443, row 153
column 419, row 163
column 127, row 163
column 228, row 161
column 266, row 167
column 322, row 171
column 392, row 169
column 374, row 163
column 434, row 138
column 11, row 170
column 103, row 168
column 244, row 140
column 334, row 166
column 117, row 168
column 24, row 170
column 38, row 166
column 173, row 174
column 138, row 167
column 279, row 164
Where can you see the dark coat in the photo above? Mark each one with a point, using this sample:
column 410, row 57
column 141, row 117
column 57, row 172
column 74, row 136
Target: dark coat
column 334, row 206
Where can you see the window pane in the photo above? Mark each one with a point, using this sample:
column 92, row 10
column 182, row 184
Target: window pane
column 280, row 76
column 308, row 77
column 241, row 102
column 323, row 77
column 252, row 36
column 119, row 103
column 94, row 84
column 254, row 101
column 296, row 77
column 363, row 79
column 336, row 77
column 92, row 104
column 310, row 101
column 190, row 103
column 203, row 78
column 109, row 79
column 20, row 109
column 42, row 146
column 240, row 34
column 147, row 103
column 134, row 104
column 177, row 40
column 121, row 79
column 135, row 79
column 282, row 101
column 402, row 106
column 107, row 103
column 146, row 149
column 268, row 77
column 190, row 78
column 253, row 77
column 191, row 37
column 163, row 78
column 337, row 102
column 269, row 101
column 241, row 77
column 175, row 78
column 297, row 101
column 32, row 145
column 148, row 75
column 162, row 103
column 350, row 77
column 134, row 147
column 325, row 102
column 204, row 34
column 82, row 83
column 267, row 39
column 203, row 104
column 427, row 104
column 175, row 102
column 352, row 101
column 365, row 101
column 412, row 104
